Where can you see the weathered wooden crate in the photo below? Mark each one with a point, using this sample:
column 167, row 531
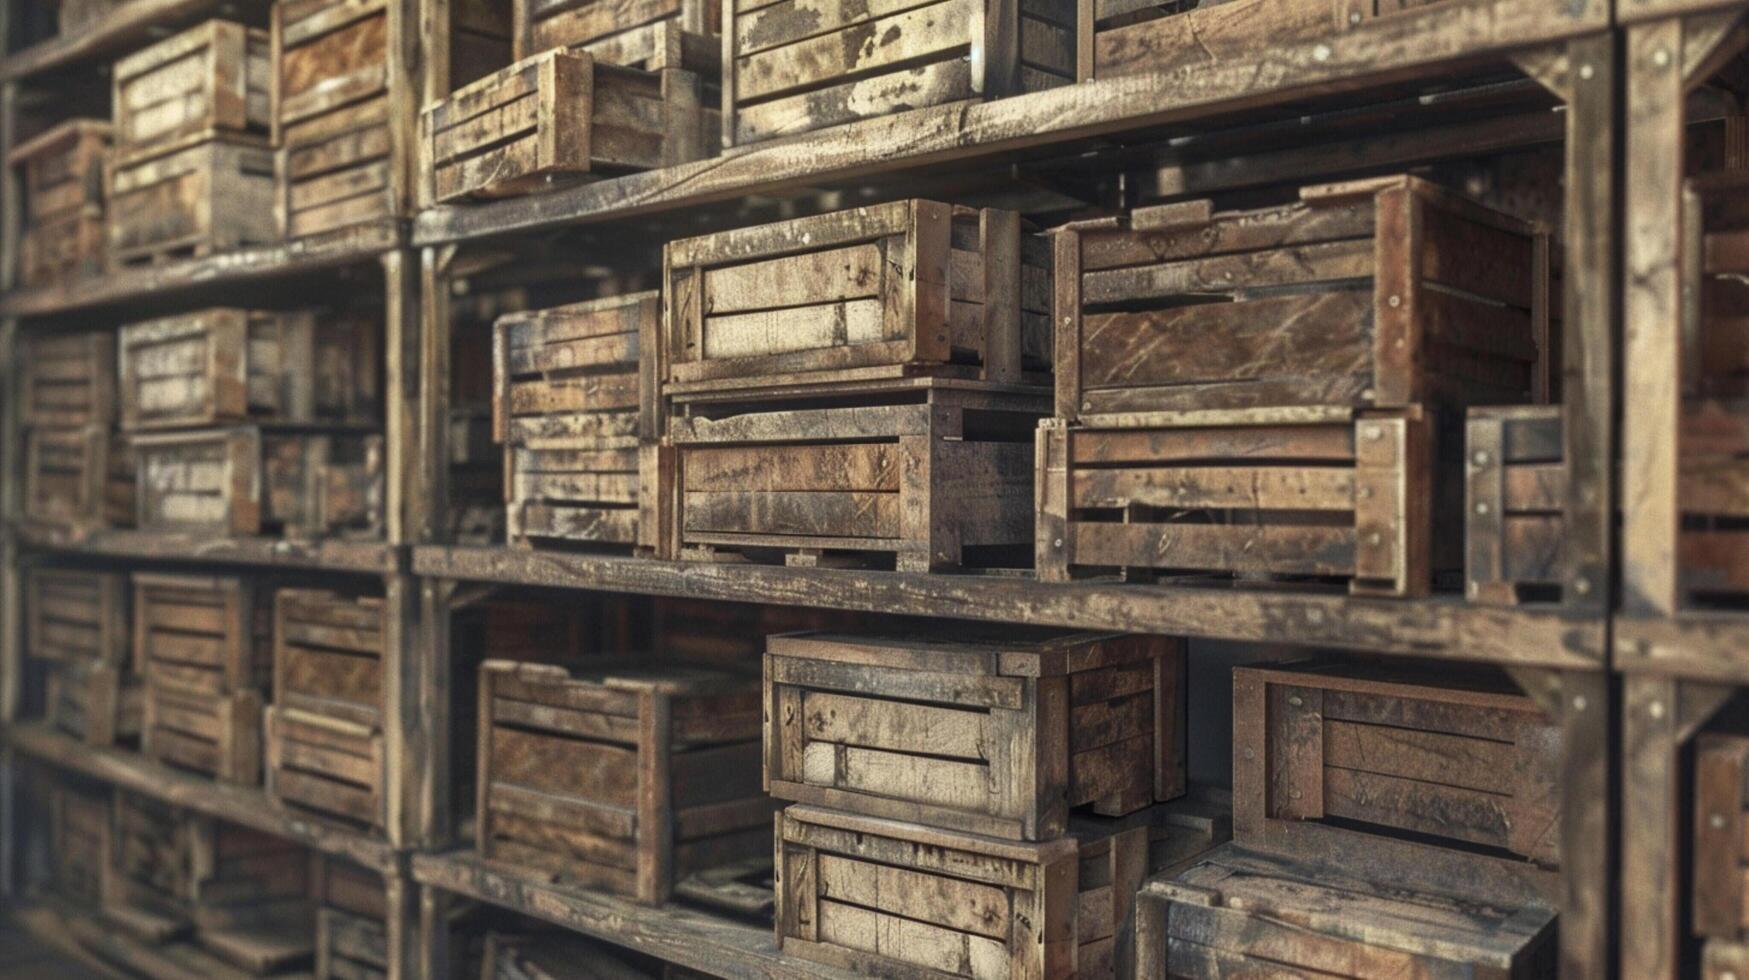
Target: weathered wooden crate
column 249, row 480
column 889, row 291
column 202, row 635
column 1514, row 501
column 652, row 35
column 95, row 702
column 1721, row 778
column 1243, row 914
column 224, row 365
column 1330, row 496
column 351, row 935
column 212, row 78
column 933, row 472
column 79, row 840
column 997, row 732
column 325, row 765
column 150, row 869
column 565, row 404
column 561, row 116
column 1382, row 293
column 63, row 197
column 77, row 617
column 68, row 379
column 78, row 480
column 190, row 198
column 1456, row 762
column 250, row 897
column 623, row 780
column 791, row 69
column 217, row 735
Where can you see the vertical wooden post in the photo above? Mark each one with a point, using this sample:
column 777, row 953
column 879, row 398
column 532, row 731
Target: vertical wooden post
column 403, row 924
column 1587, row 827
column 401, row 406
column 433, row 381
column 434, row 907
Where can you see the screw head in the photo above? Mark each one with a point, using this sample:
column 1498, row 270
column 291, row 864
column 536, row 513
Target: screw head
column 1321, row 53
column 1480, row 458
column 1661, row 58
column 1395, row 301
column 1582, row 585
column 1655, row 709
column 1716, row 821
column 1294, row 793
column 1296, row 700
column 1250, row 753
column 1482, row 507
column 1586, row 71
column 1375, row 539
column 1579, row 702
column 1354, row 17
column 1058, row 543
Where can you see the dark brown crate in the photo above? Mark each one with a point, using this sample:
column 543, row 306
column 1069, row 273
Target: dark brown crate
column 191, row 198
column 562, row 116
column 217, row 735
column 77, row 617
column 68, row 380
column 63, row 185
column 1515, row 498
column 1721, row 863
column 791, row 69
column 998, row 732
column 210, row 79
column 620, row 779
column 79, row 840
column 328, row 654
column 1244, row 914
column 248, row 480
column 1384, row 293
column 889, row 291
column 250, row 897
column 150, row 870
column 202, row 635
column 225, row 365
column 566, row 407
column 1284, row 494
column 95, row 702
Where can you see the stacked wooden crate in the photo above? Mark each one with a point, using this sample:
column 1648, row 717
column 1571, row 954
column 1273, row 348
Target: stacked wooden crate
column 249, row 897
column 78, row 474
column 1424, row 805
column 77, row 624
column 935, row 779
column 1274, row 393
column 64, row 232
column 859, row 385
column 247, row 421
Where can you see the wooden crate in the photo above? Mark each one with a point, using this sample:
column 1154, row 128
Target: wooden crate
column 932, row 472
column 561, row 116
column 997, row 732
column 328, row 654
column 63, row 197
column 77, row 480
column 889, row 291
column 1463, row 763
column 250, row 897
column 1240, row 913
column 191, row 198
column 68, row 380
column 150, row 869
column 324, row 765
column 202, row 635
column 1323, row 302
column 77, row 617
column 79, row 840
column 217, row 735
column 565, row 404
column 225, row 365
column 351, row 932
column 95, row 702
column 210, row 79
column 249, row 480
column 620, row 779
column 791, row 70
column 1337, row 496
column 650, row 35
column 1514, row 502
column 1721, row 776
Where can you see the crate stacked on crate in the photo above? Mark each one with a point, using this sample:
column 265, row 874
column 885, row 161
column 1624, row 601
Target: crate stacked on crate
column 246, row 422
column 250, row 897
column 981, row 806
column 64, row 231
column 351, row 921
column 856, row 386
column 1423, row 804
column 76, row 623
column 1273, row 393
column 204, row 647
column 78, row 473
column 191, row 172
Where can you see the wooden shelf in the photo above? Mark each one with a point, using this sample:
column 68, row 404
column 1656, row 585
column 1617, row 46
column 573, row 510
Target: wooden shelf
column 245, row 805
column 1702, row 646
column 366, row 557
column 130, row 25
column 715, row 944
column 1439, row 627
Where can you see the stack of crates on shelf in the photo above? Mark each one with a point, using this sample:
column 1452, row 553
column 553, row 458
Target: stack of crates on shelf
column 1387, row 821
column 64, row 233
column 981, row 806
column 78, row 473
column 246, row 422
column 192, row 171
column 352, row 939
column 857, row 386
column 1275, row 393
column 250, row 897
column 76, row 623
column 599, row 88
column 204, row 647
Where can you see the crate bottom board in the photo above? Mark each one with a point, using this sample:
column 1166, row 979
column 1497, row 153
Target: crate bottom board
column 145, row 924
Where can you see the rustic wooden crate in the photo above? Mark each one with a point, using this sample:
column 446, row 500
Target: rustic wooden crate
column 224, row 365
column 1380, row 293
column 77, row 617
column 652, row 35
column 1456, row 762
column 217, row 735
column 250, row 897
column 791, row 70
column 565, row 404
column 1238, row 913
column 212, row 78
column 325, row 765
column 1514, row 500
column 77, row 480
column 63, row 197
column 560, row 116
column 1721, row 776
column 894, row 290
column 79, row 840
column 202, row 635
column 150, row 869
column 1334, row 495
column 68, row 380
column 621, row 779
column 191, row 198
column 95, row 702
column 997, row 731
column 932, row 472
column 351, row 932
column 249, row 480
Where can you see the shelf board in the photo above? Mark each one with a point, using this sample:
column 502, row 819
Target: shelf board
column 1442, row 627
column 130, row 25
column 1703, row 646
column 715, row 944
column 245, row 805
column 348, row 246
column 369, row 557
